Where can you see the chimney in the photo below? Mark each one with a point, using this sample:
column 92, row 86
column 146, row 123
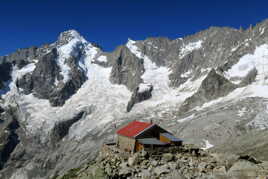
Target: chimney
column 151, row 121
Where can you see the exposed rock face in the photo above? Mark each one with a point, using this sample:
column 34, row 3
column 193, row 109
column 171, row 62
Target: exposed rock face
column 61, row 129
column 141, row 93
column 160, row 50
column 64, row 91
column 5, row 70
column 5, row 73
column 43, row 77
column 212, row 87
column 47, row 80
column 9, row 138
column 127, row 68
column 216, row 43
column 21, row 57
column 43, row 81
column 250, row 78
column 1, row 110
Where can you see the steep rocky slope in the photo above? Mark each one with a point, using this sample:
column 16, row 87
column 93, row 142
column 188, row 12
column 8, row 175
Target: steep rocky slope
column 60, row 101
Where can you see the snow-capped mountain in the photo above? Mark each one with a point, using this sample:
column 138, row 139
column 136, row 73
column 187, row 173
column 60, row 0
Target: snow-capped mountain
column 59, row 102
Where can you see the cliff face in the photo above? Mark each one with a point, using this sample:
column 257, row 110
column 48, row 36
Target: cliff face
column 68, row 96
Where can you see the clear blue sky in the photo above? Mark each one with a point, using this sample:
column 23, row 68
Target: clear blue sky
column 25, row 23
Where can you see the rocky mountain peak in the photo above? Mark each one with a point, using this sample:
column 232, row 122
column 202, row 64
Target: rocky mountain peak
column 68, row 36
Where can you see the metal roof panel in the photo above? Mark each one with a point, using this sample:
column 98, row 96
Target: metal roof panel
column 171, row 137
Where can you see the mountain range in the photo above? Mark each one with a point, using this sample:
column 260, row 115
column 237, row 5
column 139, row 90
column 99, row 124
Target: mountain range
column 61, row 101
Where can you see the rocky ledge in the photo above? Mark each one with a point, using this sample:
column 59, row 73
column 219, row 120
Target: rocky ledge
column 174, row 163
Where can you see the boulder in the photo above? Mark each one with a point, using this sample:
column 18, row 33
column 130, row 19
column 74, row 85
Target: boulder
column 144, row 154
column 249, row 158
column 125, row 172
column 219, row 170
column 154, row 163
column 144, row 164
column 161, row 170
column 202, row 166
column 123, row 165
column 167, row 157
column 108, row 169
column 243, row 165
column 145, row 174
column 133, row 160
column 244, row 168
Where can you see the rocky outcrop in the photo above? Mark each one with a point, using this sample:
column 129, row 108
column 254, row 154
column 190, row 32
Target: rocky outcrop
column 249, row 78
column 21, row 57
column 126, row 69
column 5, row 73
column 43, row 77
column 141, row 93
column 212, row 87
column 160, row 50
column 188, row 63
column 1, row 110
column 178, row 162
column 46, row 80
column 61, row 129
column 9, row 138
column 65, row 90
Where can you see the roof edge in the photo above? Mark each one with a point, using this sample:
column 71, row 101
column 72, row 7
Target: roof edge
column 144, row 130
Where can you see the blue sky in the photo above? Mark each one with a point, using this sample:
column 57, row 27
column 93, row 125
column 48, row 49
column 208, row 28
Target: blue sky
column 110, row 23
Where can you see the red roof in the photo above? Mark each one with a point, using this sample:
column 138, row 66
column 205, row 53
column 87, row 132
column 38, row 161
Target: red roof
column 133, row 128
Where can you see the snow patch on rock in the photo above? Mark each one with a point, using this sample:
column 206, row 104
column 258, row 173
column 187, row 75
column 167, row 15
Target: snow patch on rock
column 186, row 49
column 242, row 112
column 25, row 70
column 144, row 87
column 258, row 60
column 89, row 57
column 102, row 58
column 186, row 74
column 16, row 74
